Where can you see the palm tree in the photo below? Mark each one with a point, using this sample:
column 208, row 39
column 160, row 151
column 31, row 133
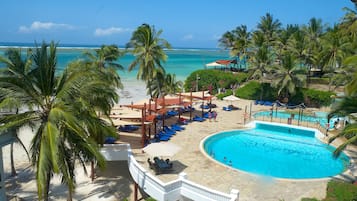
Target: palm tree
column 288, row 75
column 333, row 52
column 165, row 84
column 269, row 28
column 346, row 108
column 313, row 32
column 282, row 42
column 105, row 59
column 62, row 109
column 227, row 40
column 19, row 67
column 261, row 60
column 148, row 48
column 105, row 56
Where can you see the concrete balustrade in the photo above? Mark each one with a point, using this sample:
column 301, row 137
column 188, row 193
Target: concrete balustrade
column 179, row 189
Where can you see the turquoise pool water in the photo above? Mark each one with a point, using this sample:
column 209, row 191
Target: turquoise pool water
column 277, row 151
column 319, row 117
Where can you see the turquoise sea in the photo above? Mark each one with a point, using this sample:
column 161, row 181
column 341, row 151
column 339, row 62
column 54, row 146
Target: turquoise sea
column 181, row 62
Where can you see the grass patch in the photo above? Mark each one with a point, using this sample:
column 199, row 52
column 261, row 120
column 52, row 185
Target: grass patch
column 338, row 191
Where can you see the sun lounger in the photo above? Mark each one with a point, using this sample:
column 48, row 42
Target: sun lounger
column 226, row 108
column 177, row 127
column 169, row 130
column 198, row 118
column 128, row 128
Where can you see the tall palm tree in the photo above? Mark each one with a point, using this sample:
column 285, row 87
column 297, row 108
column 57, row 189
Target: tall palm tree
column 165, row 84
column 227, row 40
column 260, row 59
column 288, row 75
column 313, row 32
column 333, row 52
column 148, row 48
column 17, row 66
column 282, row 42
column 105, row 59
column 62, row 109
column 270, row 28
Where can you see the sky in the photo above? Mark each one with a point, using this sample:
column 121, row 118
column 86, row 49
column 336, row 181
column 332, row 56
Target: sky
column 185, row 23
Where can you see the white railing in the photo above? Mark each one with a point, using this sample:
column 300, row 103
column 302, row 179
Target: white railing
column 175, row 190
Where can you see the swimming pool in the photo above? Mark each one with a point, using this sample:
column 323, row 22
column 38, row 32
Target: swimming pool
column 318, row 117
column 275, row 150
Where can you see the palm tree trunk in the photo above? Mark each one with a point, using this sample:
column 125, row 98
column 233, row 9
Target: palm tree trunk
column 47, row 187
column 13, row 170
column 70, row 194
column 92, row 171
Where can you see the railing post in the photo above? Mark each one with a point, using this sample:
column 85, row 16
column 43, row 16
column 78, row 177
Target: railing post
column 182, row 176
column 235, row 194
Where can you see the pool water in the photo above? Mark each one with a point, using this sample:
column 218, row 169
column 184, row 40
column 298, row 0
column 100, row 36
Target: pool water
column 318, row 117
column 277, row 151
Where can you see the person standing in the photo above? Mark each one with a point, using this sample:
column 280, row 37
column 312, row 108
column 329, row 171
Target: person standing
column 214, row 115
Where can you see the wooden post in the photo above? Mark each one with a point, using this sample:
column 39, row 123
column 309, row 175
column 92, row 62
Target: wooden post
column 135, row 192
column 143, row 126
column 191, row 105
column 2, row 178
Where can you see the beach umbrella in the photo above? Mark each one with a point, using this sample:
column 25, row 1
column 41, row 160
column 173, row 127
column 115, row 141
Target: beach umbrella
column 231, row 98
column 162, row 149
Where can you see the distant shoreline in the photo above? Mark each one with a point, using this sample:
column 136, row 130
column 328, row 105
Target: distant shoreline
column 5, row 45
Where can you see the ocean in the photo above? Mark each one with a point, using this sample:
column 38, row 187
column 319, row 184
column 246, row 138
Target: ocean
column 181, row 62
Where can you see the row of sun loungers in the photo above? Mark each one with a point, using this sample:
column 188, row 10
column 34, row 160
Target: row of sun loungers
column 168, row 132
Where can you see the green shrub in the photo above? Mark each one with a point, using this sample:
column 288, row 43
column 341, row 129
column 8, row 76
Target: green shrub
column 311, row 97
column 215, row 78
column 252, row 91
column 316, row 98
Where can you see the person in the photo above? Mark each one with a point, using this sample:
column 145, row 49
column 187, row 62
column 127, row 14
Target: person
column 214, row 114
column 209, row 115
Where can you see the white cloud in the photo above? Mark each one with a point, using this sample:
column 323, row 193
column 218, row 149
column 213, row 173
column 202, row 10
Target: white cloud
column 188, row 37
column 110, row 31
column 37, row 26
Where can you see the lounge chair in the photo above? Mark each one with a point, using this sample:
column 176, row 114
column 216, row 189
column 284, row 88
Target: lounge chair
column 198, row 118
column 169, row 130
column 226, row 108
column 128, row 128
column 177, row 127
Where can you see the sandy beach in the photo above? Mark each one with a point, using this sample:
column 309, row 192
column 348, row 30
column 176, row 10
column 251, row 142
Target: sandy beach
column 115, row 183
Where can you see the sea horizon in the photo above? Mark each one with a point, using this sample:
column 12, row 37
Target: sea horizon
column 181, row 62
column 4, row 45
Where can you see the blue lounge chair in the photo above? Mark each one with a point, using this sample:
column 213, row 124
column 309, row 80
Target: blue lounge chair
column 227, row 108
column 177, row 127
column 198, row 118
column 169, row 130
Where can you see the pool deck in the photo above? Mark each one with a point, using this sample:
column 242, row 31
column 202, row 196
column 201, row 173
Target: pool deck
column 203, row 170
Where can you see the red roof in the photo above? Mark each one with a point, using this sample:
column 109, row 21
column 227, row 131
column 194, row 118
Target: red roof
column 226, row 62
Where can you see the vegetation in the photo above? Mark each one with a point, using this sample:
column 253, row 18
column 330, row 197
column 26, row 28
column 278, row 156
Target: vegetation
column 214, row 79
column 337, row 191
column 62, row 109
column 287, row 57
column 148, row 48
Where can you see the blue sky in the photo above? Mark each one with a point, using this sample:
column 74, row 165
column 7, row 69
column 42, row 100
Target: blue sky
column 185, row 23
